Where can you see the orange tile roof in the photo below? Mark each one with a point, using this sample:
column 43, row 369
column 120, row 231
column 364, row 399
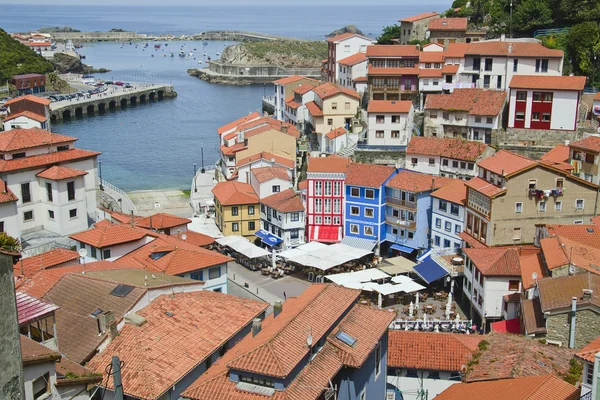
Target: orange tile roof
column 392, row 50
column 416, row 182
column 475, row 101
column 27, row 114
column 234, row 193
column 286, row 201
column 229, row 150
column 495, row 261
column 353, row 59
column 33, row 352
column 390, row 106
column 46, row 159
column 20, row 139
column 264, row 174
column 512, row 49
column 303, row 185
column 557, row 293
column 261, row 125
column 523, row 388
column 506, row 163
column 419, row 17
column 456, row 50
column 430, row 351
column 291, row 103
column 360, row 79
column 547, row 82
column 558, row 157
column 431, row 56
column 448, row 24
column 588, row 235
column 109, row 235
column 450, row 69
column 162, row 221
column 304, row 88
column 457, row 149
column 58, row 173
column 589, row 143
column 30, row 266
column 336, row 133
column 588, row 352
column 166, row 348
column 328, row 89
column 368, row 175
column 6, row 195
column 332, row 164
column 533, row 317
column 484, row 187
column 29, row 97
column 288, row 79
column 530, row 264
column 471, row 241
column 430, row 73
column 250, row 117
column 393, row 71
column 314, row 109
column 265, row 155
column 345, row 36
column 454, row 192
column 195, row 238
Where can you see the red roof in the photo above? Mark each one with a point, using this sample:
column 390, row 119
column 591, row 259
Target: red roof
column 29, row 97
column 195, row 238
column 58, row 173
column 457, row 149
column 6, row 195
column 336, row 133
column 471, row 241
column 558, row 157
column 304, row 88
column 512, row 49
column 250, row 117
column 390, row 106
column 30, row 266
column 547, row 82
column 591, row 143
column 416, row 182
column 264, row 174
column 261, row 125
column 265, row 155
column 353, row 59
column 474, row 101
column 529, row 264
column 506, row 163
column 331, row 164
column 430, row 73
column 588, row 235
column 329, row 89
column 588, row 353
column 392, row 50
column 291, row 103
column 345, row 36
column 291, row 79
column 109, row 235
column 419, row 17
column 20, row 139
column 454, row 192
column 286, row 201
column 450, row 69
column 234, row 193
column 27, row 114
column 162, row 221
column 431, row 57
column 30, row 309
column 507, row 326
column 314, row 109
column 456, row 50
column 368, row 175
column 495, row 261
column 484, row 187
column 448, row 24
column 46, row 159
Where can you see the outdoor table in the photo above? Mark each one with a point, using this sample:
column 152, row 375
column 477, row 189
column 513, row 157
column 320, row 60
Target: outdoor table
column 265, row 271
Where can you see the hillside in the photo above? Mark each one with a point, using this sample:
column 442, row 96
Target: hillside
column 16, row 58
column 283, row 53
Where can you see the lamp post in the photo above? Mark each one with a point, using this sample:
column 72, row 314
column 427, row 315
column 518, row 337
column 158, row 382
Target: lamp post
column 202, row 169
column 100, row 173
column 510, row 21
column 195, row 188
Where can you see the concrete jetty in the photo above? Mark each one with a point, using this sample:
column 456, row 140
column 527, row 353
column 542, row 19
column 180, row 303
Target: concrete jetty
column 231, row 35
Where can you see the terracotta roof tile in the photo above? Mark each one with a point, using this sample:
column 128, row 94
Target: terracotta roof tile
column 456, row 50
column 20, row 139
column 345, row 36
column 589, row 143
column 557, row 293
column 547, row 82
column 560, row 251
column 533, row 316
column 392, row 50
column 6, row 195
column 336, row 133
column 27, row 114
column 166, row 348
column 558, row 157
column 471, row 241
column 484, row 187
column 332, row 164
column 495, row 261
column 30, row 308
column 588, row 235
column 588, row 352
column 431, row 57
column 58, row 173
column 76, row 373
column 454, row 192
column 448, row 24
column 416, row 182
column 265, row 155
column 512, row 49
column 360, row 79
column 30, row 266
column 419, row 17
column 530, row 264
column 393, row 71
column 233, row 193
column 162, row 221
column 368, row 175
column 353, row 59
column 430, row 73
column 304, row 88
column 314, row 109
column 457, row 149
column 523, row 388
column 328, row 89
column 232, row 125
column 46, row 159
column 291, row 103
column 286, row 201
column 109, row 235
column 29, row 97
column 430, row 351
column 390, row 106
column 264, row 174
column 506, row 163
column 33, row 352
column 450, row 69
column 476, row 101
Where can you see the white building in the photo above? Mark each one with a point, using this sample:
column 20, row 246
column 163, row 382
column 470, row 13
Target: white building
column 448, row 215
column 283, row 91
column 591, row 376
column 339, row 139
column 596, row 107
column 390, row 123
column 9, row 222
column 452, row 158
column 545, row 102
column 246, row 165
column 25, row 120
column 54, row 181
column 352, row 68
column 283, row 215
column 26, row 112
column 267, row 181
column 343, row 46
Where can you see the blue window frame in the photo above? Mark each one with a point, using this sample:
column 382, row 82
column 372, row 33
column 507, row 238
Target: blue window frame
column 457, row 229
column 197, row 275
column 436, row 241
column 438, row 223
column 446, row 243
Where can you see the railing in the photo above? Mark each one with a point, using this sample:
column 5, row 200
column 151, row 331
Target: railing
column 402, row 203
column 398, row 222
column 453, row 270
column 551, row 31
column 587, row 396
column 379, row 147
column 127, row 205
column 270, row 100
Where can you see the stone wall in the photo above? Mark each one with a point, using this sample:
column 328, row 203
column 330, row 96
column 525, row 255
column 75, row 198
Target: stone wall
column 564, row 271
column 380, row 157
column 535, row 137
column 587, row 327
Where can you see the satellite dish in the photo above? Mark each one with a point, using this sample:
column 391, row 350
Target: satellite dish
column 309, row 340
column 534, row 276
column 571, row 269
column 82, row 252
column 183, row 237
column 448, row 279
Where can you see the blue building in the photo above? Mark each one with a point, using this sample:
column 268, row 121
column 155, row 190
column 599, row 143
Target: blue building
column 364, row 213
column 408, row 212
column 321, row 344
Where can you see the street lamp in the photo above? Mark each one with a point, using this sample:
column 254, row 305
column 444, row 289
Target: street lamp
column 195, row 188
column 100, row 173
column 202, row 170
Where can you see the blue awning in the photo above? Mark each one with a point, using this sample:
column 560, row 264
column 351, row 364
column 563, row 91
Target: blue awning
column 404, row 249
column 268, row 238
column 429, row 270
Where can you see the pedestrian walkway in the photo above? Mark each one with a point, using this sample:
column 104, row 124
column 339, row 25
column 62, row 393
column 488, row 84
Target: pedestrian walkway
column 201, row 189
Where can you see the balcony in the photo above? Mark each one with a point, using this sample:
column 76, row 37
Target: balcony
column 411, row 205
column 394, row 88
column 412, row 225
column 444, row 258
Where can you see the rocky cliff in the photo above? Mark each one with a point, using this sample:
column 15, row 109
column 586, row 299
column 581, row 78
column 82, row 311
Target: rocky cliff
column 64, row 64
column 282, row 53
column 347, row 29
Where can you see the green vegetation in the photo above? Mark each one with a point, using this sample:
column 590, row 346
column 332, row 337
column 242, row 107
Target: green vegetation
column 9, row 243
column 56, row 29
column 187, row 192
column 574, row 374
column 16, row 59
column 311, row 50
column 389, row 32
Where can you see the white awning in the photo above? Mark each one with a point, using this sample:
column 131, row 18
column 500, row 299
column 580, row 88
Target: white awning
column 359, row 243
column 362, row 276
column 410, row 287
column 243, row 246
column 397, row 265
column 291, row 253
column 401, row 279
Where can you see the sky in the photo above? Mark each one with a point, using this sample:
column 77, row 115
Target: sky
column 225, row 2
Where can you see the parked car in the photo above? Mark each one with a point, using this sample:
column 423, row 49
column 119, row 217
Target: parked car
column 119, row 83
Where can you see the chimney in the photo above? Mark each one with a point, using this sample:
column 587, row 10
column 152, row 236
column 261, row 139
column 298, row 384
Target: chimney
column 112, row 330
column 151, row 222
column 573, row 312
column 284, row 129
column 567, row 142
column 256, row 325
column 503, row 37
column 132, row 223
column 277, row 308
column 105, row 319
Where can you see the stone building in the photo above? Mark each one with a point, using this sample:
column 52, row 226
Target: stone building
column 415, row 27
column 452, row 30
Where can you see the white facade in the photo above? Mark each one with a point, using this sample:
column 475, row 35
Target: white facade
column 214, row 278
column 23, row 122
column 335, row 145
column 244, row 170
column 347, row 74
column 440, row 166
column 279, row 101
column 35, row 376
column 9, row 219
column 288, row 226
column 563, row 115
column 390, row 129
column 461, row 124
column 347, row 47
column 447, row 221
column 270, row 187
column 111, row 253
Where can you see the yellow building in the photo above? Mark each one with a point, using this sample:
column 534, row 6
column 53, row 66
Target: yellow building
column 237, row 209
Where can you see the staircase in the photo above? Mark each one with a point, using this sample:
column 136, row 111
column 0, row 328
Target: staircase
column 348, row 151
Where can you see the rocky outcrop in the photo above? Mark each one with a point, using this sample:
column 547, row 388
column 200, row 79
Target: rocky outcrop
column 64, row 64
column 56, row 29
column 347, row 29
column 285, row 54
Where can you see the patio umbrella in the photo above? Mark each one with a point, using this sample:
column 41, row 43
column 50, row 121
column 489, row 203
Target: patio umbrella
column 274, row 261
column 379, row 300
column 424, row 320
column 448, row 311
column 449, row 299
column 417, row 301
column 411, row 309
column 452, row 286
column 457, row 317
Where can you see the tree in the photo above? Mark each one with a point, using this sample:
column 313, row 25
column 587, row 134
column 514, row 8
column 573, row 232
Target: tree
column 9, row 243
column 531, row 15
column 583, row 45
column 389, row 32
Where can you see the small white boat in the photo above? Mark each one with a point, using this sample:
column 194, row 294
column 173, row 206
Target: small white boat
column 204, row 54
column 181, row 54
column 187, row 58
column 218, row 54
column 190, row 54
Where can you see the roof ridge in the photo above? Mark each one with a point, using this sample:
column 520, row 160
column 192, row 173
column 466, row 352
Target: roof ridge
column 539, row 385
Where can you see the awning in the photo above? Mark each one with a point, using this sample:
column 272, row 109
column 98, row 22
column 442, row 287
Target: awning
column 326, row 234
column 507, row 326
column 404, row 249
column 429, row 270
column 396, row 265
column 268, row 238
column 359, row 243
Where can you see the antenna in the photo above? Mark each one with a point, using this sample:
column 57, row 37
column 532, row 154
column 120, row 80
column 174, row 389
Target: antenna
column 309, row 338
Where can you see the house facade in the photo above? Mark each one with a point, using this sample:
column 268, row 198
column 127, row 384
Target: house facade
column 584, row 157
column 587, row 356
column 237, row 209
column 283, row 89
column 393, row 72
column 343, row 46
column 415, row 27
column 262, row 160
column 453, row 30
column 352, row 68
column 28, row 111
column 32, row 83
column 390, row 123
column 108, row 241
column 448, row 215
column 267, row 181
column 283, row 215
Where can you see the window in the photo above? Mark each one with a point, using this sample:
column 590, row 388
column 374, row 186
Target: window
column 411, row 234
column 395, row 134
column 537, row 96
column 513, row 285
column 318, row 188
column 354, row 210
column 318, row 205
column 515, row 64
column 73, row 213
column 478, row 119
column 379, row 119
column 411, row 373
column 369, row 193
column 395, row 119
column 488, row 64
column 454, row 164
column 436, row 82
column 295, row 217
column 443, row 205
column 337, row 188
column 579, row 204
column 489, row 120
column 347, row 105
column 532, row 183
column 327, row 206
column 535, row 116
column 336, row 206
column 518, row 208
column 521, row 96
column 327, row 188
column 41, row 386
column 437, row 65
column 516, row 233
column 196, row 276
column 318, row 220
column 379, row 134
column 463, row 165
column 235, row 227
column 18, row 155
column 25, row 193
column 250, row 210
column 71, row 190
column 377, row 359
column 106, row 254
column 368, row 230
column 369, row 212
column 548, row 97
column 28, row 215
column 363, row 394
column 427, row 65
column 50, row 214
column 414, row 161
column 446, row 243
column 477, row 63
column 453, row 209
column 544, row 65
column 214, row 273
column 499, row 82
column 448, row 226
column 251, row 225
column 520, row 116
column 436, row 241
column 93, row 252
column 589, row 158
column 276, row 188
column 438, row 223
column 471, row 166
column 558, row 206
column 62, row 148
column 457, row 229
column 334, row 106
column 433, row 114
column 330, row 121
column 589, row 376
column 294, row 234
column 542, row 206
column 49, row 191
column 578, row 222
column 432, row 161
column 486, row 81
column 446, row 115
column 445, row 162
column 354, row 228
column 234, row 211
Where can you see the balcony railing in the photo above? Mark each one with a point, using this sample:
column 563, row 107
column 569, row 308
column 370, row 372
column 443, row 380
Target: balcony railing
column 401, row 203
column 443, row 256
column 412, row 225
